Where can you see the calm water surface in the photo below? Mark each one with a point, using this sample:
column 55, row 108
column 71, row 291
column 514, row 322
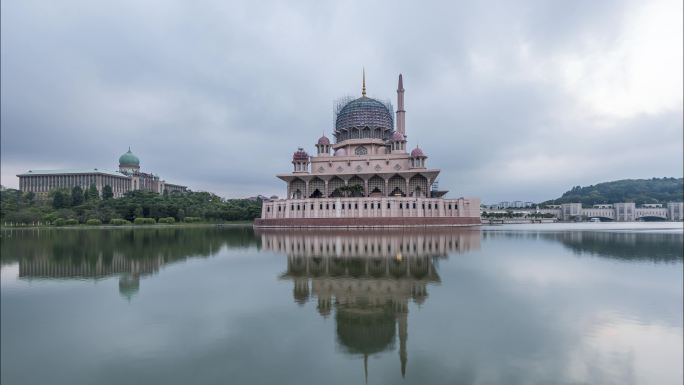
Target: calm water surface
column 545, row 304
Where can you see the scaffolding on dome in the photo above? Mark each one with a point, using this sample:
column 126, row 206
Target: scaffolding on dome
column 362, row 118
column 338, row 104
column 362, row 112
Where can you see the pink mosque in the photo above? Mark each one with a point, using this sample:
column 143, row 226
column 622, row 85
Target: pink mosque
column 367, row 178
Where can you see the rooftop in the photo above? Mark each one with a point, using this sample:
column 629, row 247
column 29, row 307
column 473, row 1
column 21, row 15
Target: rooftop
column 73, row 171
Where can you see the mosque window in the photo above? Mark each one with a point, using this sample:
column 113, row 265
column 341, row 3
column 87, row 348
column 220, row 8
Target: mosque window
column 414, row 205
column 356, row 205
column 365, row 205
column 388, row 205
column 361, row 150
column 401, row 205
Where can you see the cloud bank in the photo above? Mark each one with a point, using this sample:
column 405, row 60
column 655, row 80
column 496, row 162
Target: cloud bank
column 512, row 100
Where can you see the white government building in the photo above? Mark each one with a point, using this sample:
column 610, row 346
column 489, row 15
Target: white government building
column 128, row 178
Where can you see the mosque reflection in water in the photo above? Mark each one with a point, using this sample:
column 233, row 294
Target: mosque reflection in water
column 367, row 279
column 364, row 280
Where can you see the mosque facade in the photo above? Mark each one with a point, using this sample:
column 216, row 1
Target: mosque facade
column 127, row 178
column 366, row 177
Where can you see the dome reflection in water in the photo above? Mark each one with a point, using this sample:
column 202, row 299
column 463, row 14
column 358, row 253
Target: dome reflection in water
column 366, row 278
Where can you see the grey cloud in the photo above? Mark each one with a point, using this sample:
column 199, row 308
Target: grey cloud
column 217, row 95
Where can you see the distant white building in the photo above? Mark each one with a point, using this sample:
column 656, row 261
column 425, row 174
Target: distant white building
column 127, row 178
column 620, row 212
column 675, row 211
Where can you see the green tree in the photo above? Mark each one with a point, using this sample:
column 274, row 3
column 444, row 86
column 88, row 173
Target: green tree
column 76, row 196
column 15, row 208
column 50, row 217
column 59, row 200
column 30, row 197
column 107, row 192
column 93, row 194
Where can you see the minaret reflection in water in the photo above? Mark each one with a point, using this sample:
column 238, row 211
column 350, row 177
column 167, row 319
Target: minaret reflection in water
column 367, row 278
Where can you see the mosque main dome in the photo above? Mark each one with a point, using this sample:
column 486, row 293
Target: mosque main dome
column 364, row 112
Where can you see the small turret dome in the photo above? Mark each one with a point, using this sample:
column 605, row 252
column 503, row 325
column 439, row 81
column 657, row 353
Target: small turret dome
column 323, row 140
column 340, row 152
column 300, row 155
column 397, row 137
column 128, row 159
column 417, row 153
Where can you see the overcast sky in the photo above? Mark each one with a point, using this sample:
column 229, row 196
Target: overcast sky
column 513, row 100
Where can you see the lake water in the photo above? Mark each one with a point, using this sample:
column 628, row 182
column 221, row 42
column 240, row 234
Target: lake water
column 518, row 304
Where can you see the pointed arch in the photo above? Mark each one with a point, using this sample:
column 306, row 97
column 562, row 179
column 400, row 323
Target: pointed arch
column 397, row 185
column 316, row 188
column 356, row 191
column 366, row 132
column 418, row 186
column 297, row 189
column 376, row 186
column 334, row 187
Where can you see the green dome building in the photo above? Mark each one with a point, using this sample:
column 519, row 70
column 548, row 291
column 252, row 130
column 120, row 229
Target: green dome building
column 129, row 162
column 127, row 178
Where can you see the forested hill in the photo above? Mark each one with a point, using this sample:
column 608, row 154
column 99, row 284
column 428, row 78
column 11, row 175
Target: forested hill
column 640, row 191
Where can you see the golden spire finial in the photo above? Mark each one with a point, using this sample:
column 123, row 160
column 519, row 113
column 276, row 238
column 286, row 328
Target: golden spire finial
column 363, row 87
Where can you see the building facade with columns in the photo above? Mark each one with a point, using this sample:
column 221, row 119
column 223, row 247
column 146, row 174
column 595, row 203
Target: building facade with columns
column 619, row 212
column 127, row 178
column 367, row 177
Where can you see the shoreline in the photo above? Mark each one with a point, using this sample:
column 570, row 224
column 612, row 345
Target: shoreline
column 155, row 226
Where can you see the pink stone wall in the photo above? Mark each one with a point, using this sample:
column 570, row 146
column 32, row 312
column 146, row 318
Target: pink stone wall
column 362, row 212
column 371, row 207
column 366, row 222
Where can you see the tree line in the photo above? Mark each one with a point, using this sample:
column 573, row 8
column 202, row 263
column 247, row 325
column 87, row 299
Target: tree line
column 79, row 205
column 639, row 191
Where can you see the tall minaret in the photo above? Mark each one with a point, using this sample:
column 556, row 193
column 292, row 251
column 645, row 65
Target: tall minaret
column 401, row 119
column 403, row 329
